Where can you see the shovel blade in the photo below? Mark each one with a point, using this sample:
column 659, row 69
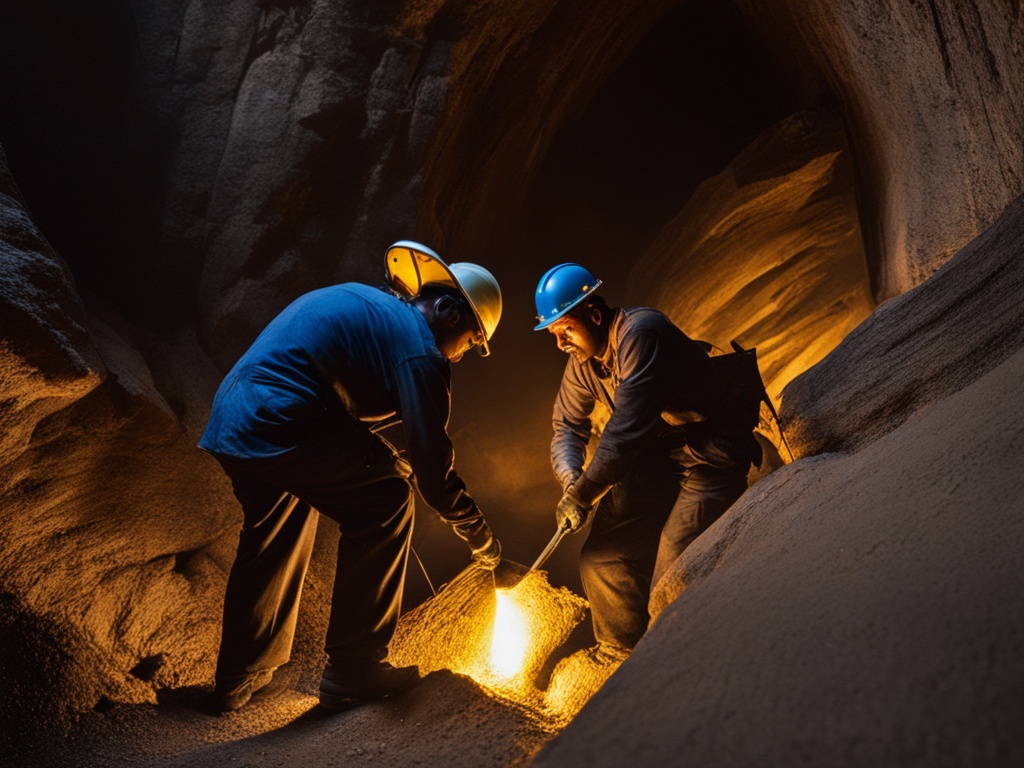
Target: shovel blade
column 509, row 573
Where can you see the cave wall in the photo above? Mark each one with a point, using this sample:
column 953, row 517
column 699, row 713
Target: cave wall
column 767, row 253
column 284, row 146
column 116, row 531
column 932, row 94
column 516, row 73
column 301, row 137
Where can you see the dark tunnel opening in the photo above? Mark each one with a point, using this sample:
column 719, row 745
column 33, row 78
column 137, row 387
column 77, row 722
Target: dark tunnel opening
column 694, row 92
column 87, row 151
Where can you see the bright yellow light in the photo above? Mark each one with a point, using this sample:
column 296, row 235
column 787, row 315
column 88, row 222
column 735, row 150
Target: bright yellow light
column 511, row 639
column 500, row 639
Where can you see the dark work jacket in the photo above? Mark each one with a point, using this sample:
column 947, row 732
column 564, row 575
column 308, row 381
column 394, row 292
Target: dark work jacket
column 658, row 383
column 334, row 357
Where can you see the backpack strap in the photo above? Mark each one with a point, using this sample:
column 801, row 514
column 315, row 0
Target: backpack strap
column 762, row 390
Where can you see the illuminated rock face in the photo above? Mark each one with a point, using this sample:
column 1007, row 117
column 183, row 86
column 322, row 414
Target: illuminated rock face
column 47, row 359
column 952, row 329
column 934, row 102
column 110, row 518
column 286, row 144
column 767, row 253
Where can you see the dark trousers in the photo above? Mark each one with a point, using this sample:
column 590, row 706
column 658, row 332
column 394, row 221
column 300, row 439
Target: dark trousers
column 357, row 480
column 639, row 529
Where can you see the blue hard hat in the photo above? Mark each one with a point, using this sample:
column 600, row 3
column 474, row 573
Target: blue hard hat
column 561, row 289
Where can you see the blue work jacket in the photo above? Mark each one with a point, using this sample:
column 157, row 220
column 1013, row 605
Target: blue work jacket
column 352, row 351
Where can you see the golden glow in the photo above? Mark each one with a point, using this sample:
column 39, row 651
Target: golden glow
column 511, row 639
column 502, row 639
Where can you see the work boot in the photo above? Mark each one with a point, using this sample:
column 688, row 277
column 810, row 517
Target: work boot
column 344, row 685
column 235, row 692
column 603, row 655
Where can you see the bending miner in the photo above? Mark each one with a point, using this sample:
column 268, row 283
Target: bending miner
column 672, row 457
column 292, row 426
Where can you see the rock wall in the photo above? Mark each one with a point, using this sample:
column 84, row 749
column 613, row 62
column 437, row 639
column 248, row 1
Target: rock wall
column 302, row 131
column 767, row 253
column 932, row 94
column 516, row 73
column 116, row 530
column 916, row 348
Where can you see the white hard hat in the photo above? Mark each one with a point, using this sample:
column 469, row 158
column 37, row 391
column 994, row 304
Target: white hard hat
column 412, row 265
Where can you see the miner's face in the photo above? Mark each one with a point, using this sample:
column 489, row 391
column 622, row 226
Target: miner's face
column 580, row 334
column 461, row 342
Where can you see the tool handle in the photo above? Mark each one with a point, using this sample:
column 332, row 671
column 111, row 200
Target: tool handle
column 549, row 548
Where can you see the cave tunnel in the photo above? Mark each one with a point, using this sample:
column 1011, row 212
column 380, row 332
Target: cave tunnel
column 762, row 170
column 688, row 97
column 91, row 154
column 691, row 95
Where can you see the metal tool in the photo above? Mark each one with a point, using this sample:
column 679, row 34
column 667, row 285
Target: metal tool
column 508, row 573
column 547, row 550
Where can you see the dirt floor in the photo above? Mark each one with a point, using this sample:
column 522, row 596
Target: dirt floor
column 446, row 720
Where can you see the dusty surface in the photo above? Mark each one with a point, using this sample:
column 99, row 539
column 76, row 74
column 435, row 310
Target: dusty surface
column 218, row 157
column 446, row 720
column 857, row 610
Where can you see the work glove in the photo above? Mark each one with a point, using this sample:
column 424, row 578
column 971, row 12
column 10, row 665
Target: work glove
column 470, row 526
column 489, row 555
column 571, row 514
column 577, row 503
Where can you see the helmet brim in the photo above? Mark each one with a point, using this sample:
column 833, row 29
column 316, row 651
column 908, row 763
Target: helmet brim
column 561, row 312
column 411, row 265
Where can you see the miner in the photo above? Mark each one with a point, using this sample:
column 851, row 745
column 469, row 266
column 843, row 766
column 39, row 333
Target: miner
column 294, row 426
column 671, row 458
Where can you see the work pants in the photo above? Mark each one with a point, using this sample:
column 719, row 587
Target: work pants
column 639, row 529
column 357, row 480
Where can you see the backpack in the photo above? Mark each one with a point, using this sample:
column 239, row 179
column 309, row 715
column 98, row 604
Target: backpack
column 740, row 376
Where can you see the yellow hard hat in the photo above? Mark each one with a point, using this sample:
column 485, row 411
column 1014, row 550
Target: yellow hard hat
column 412, row 265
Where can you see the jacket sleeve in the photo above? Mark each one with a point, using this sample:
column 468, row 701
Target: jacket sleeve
column 570, row 421
column 639, row 401
column 424, row 396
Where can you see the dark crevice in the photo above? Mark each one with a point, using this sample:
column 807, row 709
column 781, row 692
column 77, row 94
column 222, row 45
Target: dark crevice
column 147, row 668
column 940, row 35
column 184, row 561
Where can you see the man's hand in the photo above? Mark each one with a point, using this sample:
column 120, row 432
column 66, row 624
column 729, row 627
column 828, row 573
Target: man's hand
column 489, row 555
column 571, row 513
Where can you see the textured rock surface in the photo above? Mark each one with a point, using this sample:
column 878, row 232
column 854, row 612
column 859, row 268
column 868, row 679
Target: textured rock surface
column 767, row 253
column 110, row 556
column 327, row 127
column 46, row 356
column 933, row 99
column 848, row 611
column 916, row 348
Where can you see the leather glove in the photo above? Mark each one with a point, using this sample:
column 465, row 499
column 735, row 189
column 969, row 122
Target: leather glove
column 571, row 513
column 489, row 555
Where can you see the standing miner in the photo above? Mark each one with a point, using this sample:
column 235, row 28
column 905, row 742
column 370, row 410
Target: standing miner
column 292, row 426
column 673, row 456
